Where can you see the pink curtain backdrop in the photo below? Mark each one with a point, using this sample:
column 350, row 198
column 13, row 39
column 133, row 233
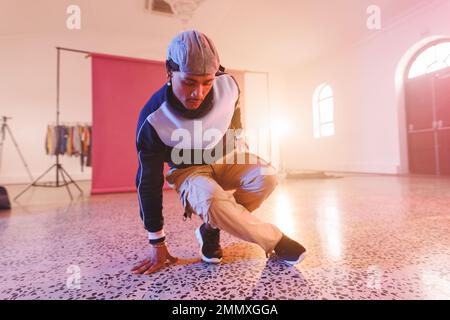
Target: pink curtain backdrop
column 120, row 88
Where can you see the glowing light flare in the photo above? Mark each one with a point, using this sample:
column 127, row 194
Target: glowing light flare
column 280, row 127
column 329, row 226
column 284, row 215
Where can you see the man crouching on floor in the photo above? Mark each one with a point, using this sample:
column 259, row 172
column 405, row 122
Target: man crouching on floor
column 199, row 94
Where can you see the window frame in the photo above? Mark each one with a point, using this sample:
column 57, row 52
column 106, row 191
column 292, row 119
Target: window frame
column 318, row 124
column 417, row 56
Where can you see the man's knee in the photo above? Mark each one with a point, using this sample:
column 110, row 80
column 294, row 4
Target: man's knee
column 270, row 181
column 253, row 194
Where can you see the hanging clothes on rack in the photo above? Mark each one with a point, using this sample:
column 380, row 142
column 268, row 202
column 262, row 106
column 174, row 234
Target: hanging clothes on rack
column 76, row 140
column 89, row 152
column 49, row 141
column 62, row 140
column 70, row 140
column 85, row 142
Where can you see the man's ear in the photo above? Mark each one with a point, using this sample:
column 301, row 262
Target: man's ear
column 169, row 70
column 220, row 71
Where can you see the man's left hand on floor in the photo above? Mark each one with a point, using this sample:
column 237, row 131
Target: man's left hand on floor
column 157, row 260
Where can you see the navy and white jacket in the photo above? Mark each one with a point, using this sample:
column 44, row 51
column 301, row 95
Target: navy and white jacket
column 155, row 141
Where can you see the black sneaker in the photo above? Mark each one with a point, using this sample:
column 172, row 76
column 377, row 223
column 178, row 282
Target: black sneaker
column 210, row 249
column 290, row 251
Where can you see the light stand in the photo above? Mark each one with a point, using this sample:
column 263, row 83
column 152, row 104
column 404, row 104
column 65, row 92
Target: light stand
column 5, row 128
column 60, row 171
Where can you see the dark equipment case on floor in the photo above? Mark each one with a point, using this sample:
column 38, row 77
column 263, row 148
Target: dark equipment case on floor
column 4, row 200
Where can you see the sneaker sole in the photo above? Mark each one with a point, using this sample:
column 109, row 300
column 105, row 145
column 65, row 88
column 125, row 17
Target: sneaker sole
column 300, row 259
column 204, row 258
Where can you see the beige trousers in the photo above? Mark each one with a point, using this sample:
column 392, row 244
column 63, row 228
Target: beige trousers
column 203, row 191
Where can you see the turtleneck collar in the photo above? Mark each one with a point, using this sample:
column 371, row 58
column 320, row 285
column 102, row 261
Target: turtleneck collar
column 179, row 109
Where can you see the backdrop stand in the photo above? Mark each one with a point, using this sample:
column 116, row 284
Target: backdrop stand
column 60, row 171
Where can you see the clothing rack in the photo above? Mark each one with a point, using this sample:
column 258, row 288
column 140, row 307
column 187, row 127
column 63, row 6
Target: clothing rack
column 66, row 123
column 60, row 171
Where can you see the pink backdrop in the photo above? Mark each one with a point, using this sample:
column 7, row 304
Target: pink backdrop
column 120, row 88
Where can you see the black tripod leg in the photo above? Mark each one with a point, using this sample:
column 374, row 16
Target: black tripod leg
column 65, row 182
column 20, row 153
column 2, row 141
column 71, row 180
column 34, row 182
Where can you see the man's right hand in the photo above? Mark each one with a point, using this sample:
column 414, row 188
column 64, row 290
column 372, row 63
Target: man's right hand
column 157, row 260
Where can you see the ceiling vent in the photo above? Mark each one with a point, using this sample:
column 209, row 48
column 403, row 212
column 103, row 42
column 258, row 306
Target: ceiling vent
column 181, row 9
column 158, row 6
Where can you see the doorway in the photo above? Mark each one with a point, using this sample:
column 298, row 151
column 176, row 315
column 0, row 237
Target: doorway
column 427, row 101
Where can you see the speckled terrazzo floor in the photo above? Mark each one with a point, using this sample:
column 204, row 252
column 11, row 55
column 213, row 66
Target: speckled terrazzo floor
column 368, row 237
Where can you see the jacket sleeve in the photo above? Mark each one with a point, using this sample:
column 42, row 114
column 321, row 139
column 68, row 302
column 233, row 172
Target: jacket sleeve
column 150, row 181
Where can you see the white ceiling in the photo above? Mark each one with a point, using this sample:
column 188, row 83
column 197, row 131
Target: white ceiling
column 250, row 33
column 293, row 31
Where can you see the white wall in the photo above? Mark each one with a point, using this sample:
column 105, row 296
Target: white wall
column 367, row 123
column 368, row 109
column 29, row 33
column 28, row 95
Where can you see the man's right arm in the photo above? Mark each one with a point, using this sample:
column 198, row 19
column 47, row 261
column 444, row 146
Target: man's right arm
column 150, row 181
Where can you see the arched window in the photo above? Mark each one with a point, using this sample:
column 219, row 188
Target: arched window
column 432, row 59
column 323, row 111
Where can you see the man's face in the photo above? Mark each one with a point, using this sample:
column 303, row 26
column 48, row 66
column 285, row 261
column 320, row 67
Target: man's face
column 190, row 89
